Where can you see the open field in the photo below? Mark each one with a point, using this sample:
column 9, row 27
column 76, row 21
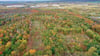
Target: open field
column 68, row 31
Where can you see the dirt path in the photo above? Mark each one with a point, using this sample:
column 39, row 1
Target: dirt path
column 35, row 39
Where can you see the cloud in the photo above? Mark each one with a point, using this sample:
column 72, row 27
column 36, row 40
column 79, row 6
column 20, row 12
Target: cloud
column 25, row 0
column 49, row 0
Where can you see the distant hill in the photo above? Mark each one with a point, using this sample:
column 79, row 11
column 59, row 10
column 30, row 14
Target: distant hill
column 22, row 2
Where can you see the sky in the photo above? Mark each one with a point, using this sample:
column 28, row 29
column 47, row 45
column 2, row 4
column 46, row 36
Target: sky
column 25, row 0
column 49, row 0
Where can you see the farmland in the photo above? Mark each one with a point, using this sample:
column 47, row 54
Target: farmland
column 49, row 32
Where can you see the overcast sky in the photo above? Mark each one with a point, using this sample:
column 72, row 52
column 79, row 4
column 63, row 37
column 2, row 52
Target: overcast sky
column 49, row 0
column 25, row 0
